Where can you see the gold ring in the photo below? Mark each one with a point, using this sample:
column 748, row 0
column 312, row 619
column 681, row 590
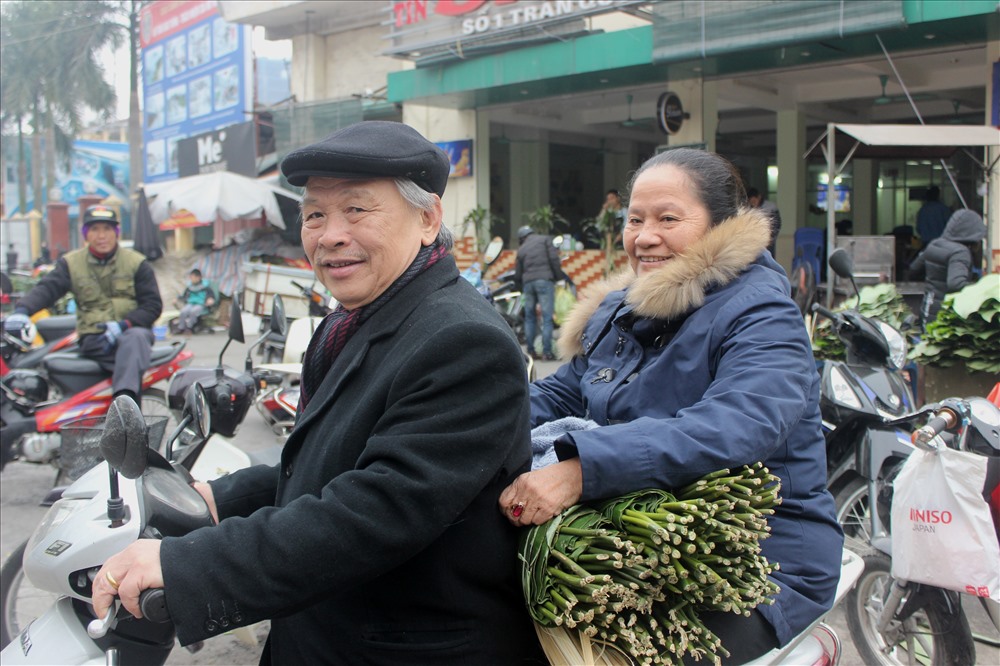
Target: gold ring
column 111, row 580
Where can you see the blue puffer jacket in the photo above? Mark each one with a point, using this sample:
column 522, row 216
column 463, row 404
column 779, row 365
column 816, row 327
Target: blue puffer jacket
column 704, row 365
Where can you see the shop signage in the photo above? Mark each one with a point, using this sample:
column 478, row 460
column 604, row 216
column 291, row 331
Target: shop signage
column 422, row 26
column 197, row 77
column 670, row 113
column 230, row 149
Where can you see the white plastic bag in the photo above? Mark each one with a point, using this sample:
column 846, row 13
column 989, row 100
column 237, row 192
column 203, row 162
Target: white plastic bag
column 942, row 529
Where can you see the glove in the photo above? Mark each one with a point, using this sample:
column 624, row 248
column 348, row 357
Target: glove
column 112, row 330
column 16, row 322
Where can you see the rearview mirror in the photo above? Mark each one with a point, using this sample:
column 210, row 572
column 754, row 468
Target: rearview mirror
column 235, row 321
column 279, row 323
column 196, row 405
column 841, row 263
column 125, row 440
column 493, row 250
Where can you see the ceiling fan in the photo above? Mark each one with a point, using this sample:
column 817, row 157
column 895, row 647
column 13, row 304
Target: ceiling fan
column 884, row 99
column 629, row 122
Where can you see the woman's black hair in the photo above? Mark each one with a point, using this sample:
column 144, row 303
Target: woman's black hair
column 718, row 183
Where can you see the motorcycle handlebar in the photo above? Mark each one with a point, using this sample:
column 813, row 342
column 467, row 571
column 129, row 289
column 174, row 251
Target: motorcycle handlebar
column 816, row 307
column 945, row 419
column 153, row 605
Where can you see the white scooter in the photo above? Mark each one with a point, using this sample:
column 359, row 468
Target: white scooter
column 201, row 453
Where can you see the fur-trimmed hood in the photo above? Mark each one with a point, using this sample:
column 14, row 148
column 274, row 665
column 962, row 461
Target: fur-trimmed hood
column 725, row 251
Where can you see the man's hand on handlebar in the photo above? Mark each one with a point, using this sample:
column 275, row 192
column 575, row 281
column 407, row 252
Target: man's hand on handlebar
column 135, row 569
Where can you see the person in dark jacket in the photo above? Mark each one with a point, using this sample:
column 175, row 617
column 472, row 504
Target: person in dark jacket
column 117, row 301
column 949, row 263
column 537, row 268
column 377, row 539
column 695, row 360
column 933, row 216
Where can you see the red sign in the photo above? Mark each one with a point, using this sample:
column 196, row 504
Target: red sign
column 163, row 18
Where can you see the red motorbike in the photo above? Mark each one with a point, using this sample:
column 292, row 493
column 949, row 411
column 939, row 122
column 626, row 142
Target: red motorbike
column 17, row 352
column 35, row 402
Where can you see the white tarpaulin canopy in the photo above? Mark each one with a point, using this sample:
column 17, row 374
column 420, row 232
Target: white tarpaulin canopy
column 923, row 135
column 219, row 195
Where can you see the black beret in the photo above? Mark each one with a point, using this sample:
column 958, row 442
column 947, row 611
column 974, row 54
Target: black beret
column 371, row 149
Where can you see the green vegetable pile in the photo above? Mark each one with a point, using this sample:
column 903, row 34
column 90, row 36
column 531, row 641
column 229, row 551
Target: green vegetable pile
column 966, row 330
column 636, row 571
column 880, row 301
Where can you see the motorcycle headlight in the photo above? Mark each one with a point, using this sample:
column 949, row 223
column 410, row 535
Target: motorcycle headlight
column 896, row 342
column 842, row 391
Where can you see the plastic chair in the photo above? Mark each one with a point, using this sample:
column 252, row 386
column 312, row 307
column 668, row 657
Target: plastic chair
column 809, row 244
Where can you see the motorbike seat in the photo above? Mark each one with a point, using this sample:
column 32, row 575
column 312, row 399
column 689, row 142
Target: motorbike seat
column 72, row 364
column 68, row 363
column 58, row 326
column 31, row 358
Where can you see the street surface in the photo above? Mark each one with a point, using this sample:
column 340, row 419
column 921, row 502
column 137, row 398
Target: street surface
column 23, row 485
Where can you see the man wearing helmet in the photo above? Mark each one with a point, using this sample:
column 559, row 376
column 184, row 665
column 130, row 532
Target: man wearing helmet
column 537, row 268
column 117, row 301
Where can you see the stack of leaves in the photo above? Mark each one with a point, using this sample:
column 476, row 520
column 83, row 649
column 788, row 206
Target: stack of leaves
column 635, row 572
column 966, row 330
column 879, row 301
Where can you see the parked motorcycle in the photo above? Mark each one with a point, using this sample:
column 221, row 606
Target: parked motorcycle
column 58, row 334
column 277, row 349
column 210, row 404
column 36, row 402
column 858, row 397
column 508, row 300
column 902, row 622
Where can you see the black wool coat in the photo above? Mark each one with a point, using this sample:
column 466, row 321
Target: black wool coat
column 378, row 539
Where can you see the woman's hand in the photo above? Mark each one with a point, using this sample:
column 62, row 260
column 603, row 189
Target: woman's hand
column 538, row 496
column 126, row 575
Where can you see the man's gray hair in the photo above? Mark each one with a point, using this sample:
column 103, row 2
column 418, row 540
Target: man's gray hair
column 421, row 199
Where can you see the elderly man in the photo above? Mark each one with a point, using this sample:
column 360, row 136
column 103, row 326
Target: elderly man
column 117, row 301
column 377, row 540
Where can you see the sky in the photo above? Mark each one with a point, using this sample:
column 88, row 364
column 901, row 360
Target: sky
column 116, row 65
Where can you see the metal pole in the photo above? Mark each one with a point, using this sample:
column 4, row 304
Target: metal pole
column 831, row 195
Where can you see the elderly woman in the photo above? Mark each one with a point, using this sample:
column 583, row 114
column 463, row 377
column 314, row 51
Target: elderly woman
column 377, row 539
column 697, row 360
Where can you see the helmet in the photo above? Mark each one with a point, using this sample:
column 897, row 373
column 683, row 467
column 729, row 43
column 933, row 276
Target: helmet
column 524, row 232
column 27, row 384
column 100, row 214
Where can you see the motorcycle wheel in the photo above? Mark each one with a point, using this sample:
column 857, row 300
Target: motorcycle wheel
column 935, row 634
column 854, row 510
column 20, row 600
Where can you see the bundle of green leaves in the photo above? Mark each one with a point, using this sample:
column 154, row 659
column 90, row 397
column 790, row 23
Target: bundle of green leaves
column 635, row 572
column 966, row 330
column 879, row 301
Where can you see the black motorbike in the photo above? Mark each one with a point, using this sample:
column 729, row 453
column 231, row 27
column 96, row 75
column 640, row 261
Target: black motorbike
column 859, row 399
column 903, row 622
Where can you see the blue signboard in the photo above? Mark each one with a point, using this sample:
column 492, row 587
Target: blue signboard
column 197, row 77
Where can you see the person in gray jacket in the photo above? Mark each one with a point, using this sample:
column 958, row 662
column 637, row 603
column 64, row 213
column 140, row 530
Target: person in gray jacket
column 950, row 262
column 537, row 269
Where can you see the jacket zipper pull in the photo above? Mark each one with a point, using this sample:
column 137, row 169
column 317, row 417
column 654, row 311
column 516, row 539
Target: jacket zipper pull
column 621, row 345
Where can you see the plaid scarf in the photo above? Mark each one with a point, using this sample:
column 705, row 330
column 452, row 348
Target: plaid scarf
column 338, row 326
